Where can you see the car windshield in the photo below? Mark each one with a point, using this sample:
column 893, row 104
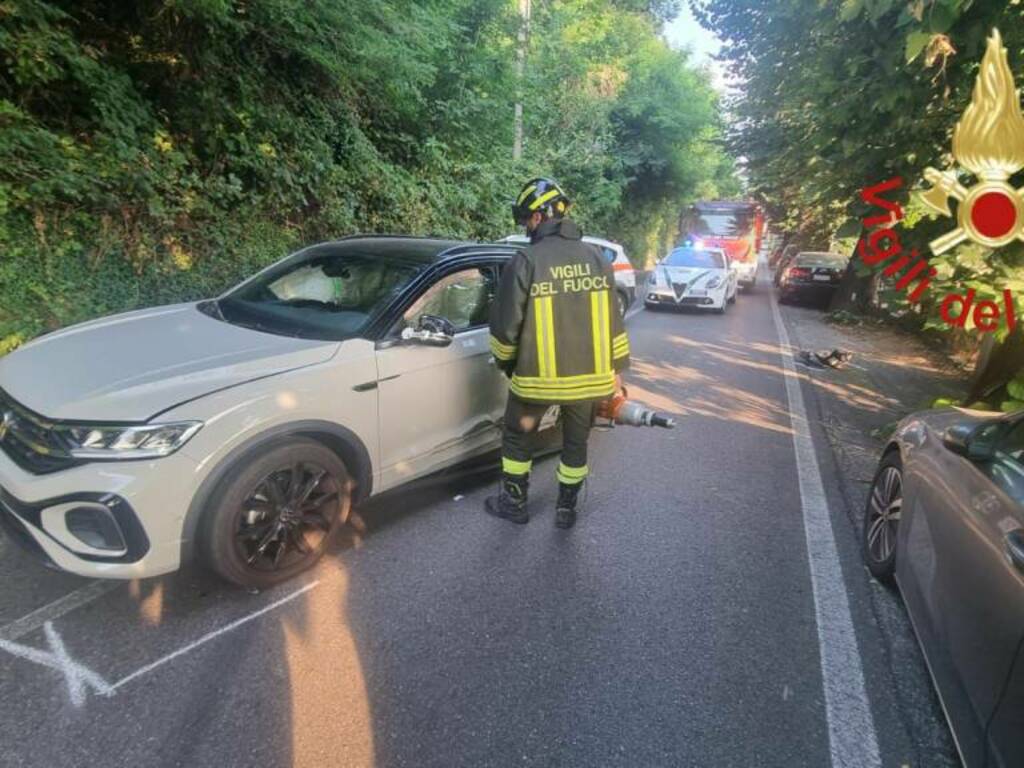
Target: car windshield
column 722, row 222
column 323, row 295
column 832, row 260
column 691, row 257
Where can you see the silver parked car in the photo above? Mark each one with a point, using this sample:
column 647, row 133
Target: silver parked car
column 945, row 521
column 243, row 429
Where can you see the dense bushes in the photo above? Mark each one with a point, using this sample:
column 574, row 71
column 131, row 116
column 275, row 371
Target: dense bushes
column 156, row 151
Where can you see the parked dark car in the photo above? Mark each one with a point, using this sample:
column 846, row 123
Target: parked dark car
column 945, row 521
column 812, row 275
column 783, row 260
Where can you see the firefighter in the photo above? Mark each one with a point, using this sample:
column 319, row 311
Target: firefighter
column 556, row 332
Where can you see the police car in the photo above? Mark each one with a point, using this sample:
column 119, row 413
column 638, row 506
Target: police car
column 692, row 276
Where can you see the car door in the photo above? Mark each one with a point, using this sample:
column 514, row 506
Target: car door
column 440, row 405
column 966, row 514
column 732, row 276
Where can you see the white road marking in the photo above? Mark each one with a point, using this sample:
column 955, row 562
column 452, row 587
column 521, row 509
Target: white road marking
column 851, row 726
column 212, row 635
column 78, row 677
column 53, row 611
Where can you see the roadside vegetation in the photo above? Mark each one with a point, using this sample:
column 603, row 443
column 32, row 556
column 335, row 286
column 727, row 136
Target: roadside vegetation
column 835, row 97
column 157, row 151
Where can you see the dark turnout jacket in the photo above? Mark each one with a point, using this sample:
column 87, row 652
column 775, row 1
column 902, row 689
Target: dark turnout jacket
column 555, row 326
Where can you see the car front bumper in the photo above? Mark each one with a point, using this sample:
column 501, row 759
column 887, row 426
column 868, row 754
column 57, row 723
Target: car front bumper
column 132, row 514
column 657, row 295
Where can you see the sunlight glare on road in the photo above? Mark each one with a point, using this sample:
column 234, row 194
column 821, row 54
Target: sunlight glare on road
column 330, row 710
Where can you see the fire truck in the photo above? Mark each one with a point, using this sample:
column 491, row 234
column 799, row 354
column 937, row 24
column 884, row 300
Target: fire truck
column 735, row 227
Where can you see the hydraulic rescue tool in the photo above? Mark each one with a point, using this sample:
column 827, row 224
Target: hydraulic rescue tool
column 620, row 410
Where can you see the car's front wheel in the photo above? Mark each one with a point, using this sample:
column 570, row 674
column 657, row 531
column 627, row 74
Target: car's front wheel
column 275, row 516
column 882, row 518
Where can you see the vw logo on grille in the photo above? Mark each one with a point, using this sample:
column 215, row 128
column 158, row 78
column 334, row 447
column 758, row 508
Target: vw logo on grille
column 5, row 424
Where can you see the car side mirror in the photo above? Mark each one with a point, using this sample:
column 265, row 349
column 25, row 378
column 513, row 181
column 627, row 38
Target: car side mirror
column 430, row 331
column 970, row 441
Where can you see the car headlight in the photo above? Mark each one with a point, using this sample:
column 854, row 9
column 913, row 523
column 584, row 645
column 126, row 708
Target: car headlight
column 713, row 283
column 653, row 281
column 142, row 441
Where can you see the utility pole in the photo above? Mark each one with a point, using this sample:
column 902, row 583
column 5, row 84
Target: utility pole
column 524, row 34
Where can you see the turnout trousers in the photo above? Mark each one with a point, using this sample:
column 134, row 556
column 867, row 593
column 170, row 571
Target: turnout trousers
column 519, row 436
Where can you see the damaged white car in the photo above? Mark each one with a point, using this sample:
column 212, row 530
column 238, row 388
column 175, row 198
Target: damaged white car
column 242, row 430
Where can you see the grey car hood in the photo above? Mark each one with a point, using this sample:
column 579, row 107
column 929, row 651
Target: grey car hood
column 130, row 367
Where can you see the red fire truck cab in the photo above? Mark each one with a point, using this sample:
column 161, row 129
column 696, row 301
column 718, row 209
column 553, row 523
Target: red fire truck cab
column 735, row 227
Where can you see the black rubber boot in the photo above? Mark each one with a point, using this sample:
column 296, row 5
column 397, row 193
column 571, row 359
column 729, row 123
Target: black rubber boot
column 510, row 503
column 565, row 508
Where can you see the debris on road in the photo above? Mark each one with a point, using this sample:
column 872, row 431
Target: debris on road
column 836, row 358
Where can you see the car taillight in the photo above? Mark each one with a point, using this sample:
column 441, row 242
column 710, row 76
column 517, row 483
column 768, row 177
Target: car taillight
column 798, row 272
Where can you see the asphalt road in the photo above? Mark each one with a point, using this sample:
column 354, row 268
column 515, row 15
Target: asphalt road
column 676, row 625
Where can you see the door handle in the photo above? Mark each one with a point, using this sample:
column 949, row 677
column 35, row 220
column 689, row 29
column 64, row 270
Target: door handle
column 1015, row 547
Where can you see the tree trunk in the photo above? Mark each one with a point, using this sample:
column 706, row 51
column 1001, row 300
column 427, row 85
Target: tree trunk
column 854, row 293
column 997, row 364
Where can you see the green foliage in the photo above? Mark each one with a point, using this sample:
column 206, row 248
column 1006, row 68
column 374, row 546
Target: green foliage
column 1015, row 388
column 840, row 96
column 157, row 151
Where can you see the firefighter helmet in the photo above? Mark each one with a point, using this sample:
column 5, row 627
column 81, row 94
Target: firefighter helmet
column 542, row 195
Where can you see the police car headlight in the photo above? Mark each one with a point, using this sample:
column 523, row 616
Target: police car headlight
column 713, row 283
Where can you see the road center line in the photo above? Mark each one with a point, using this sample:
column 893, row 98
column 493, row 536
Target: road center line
column 851, row 727
column 53, row 611
column 213, row 635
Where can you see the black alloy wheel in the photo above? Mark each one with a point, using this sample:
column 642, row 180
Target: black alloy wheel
column 286, row 517
column 882, row 518
column 275, row 512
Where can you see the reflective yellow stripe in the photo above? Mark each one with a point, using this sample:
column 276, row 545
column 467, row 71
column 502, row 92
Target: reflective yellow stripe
column 545, row 317
column 564, row 395
column 571, row 475
column 542, row 199
column 620, row 347
column 542, row 354
column 502, row 351
column 601, row 330
column 588, row 379
column 556, row 391
column 525, row 194
column 513, row 467
column 549, row 327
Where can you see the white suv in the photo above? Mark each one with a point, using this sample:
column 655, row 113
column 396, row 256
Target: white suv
column 242, row 429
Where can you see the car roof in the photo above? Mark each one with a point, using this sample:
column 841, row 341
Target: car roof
column 705, row 249
column 819, row 255
column 406, row 248
column 586, row 238
column 601, row 241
